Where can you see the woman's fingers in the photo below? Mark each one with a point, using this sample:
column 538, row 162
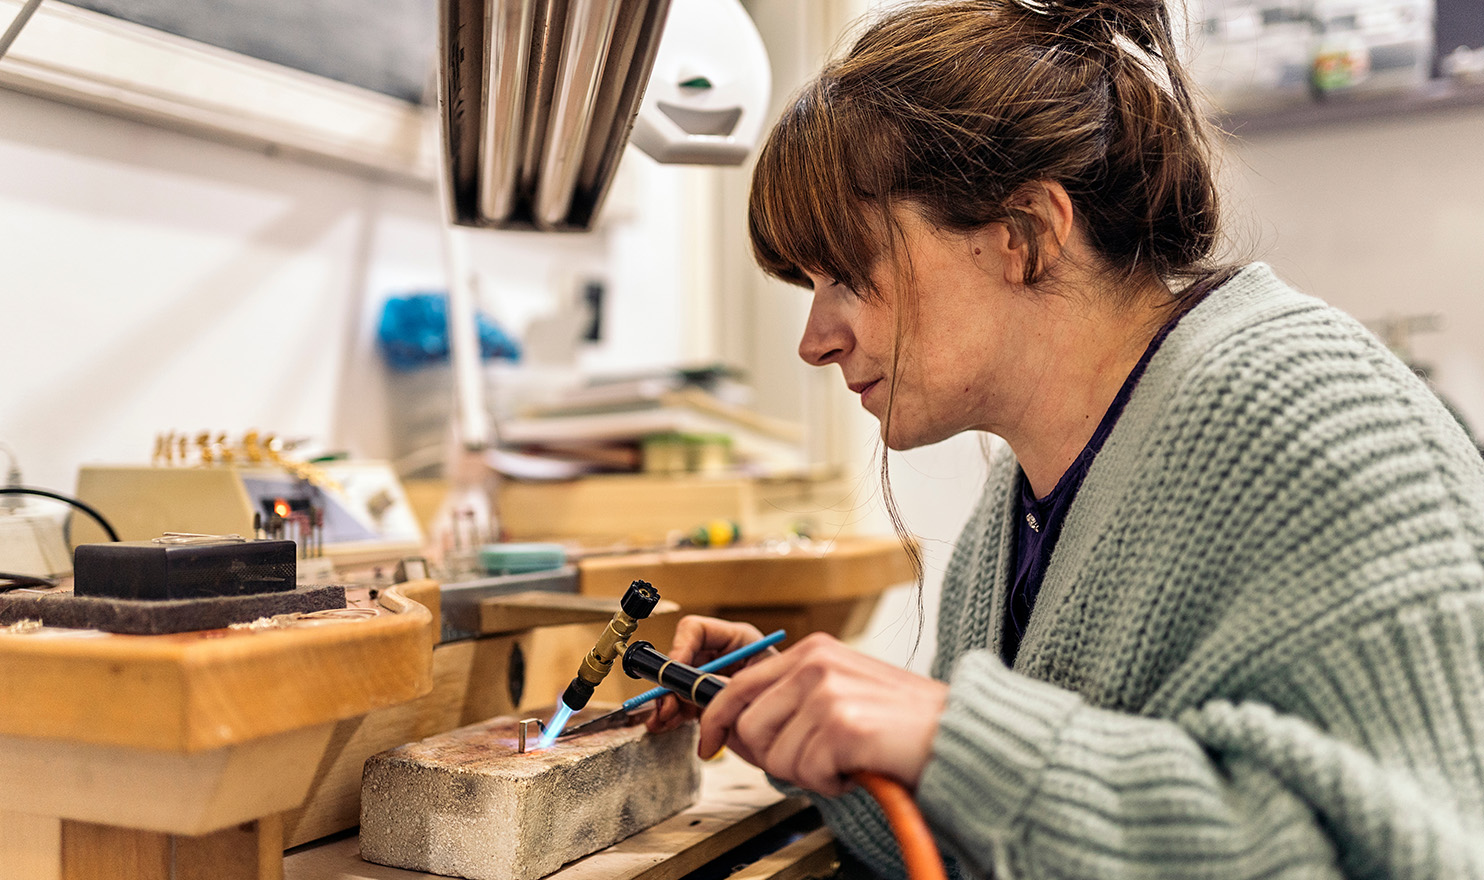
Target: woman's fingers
column 812, row 714
column 670, row 712
column 720, row 717
column 700, row 639
column 821, row 711
column 817, row 766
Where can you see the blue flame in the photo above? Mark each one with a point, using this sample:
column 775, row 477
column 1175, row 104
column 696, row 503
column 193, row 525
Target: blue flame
column 555, row 726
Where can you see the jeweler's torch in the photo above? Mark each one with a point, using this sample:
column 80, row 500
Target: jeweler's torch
column 637, row 603
column 642, row 660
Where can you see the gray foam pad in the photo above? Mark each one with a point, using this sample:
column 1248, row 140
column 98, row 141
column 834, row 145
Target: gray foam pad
column 147, row 617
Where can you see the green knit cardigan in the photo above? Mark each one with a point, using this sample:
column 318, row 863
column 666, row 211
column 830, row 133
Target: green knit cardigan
column 1259, row 647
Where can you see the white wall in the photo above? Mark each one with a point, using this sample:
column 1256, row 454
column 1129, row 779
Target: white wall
column 1382, row 218
column 154, row 280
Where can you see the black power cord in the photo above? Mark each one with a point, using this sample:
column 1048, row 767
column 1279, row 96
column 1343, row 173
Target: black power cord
column 45, row 493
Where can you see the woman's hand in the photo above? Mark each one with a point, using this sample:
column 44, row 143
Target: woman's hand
column 820, row 711
column 699, row 640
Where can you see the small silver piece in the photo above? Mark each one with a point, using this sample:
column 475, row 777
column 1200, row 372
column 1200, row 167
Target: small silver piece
column 523, row 733
column 195, row 538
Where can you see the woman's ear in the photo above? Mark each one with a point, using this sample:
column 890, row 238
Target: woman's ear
column 1042, row 210
column 1000, row 248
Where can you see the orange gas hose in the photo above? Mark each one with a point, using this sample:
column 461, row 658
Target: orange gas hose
column 919, row 851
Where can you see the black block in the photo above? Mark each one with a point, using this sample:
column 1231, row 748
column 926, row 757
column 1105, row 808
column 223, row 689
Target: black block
column 155, row 570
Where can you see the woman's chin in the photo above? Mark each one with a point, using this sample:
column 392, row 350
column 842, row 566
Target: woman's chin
column 907, row 433
column 900, row 440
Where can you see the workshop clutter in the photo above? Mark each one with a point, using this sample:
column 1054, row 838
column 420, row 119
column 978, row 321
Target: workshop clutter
column 412, row 338
column 339, row 511
column 414, row 332
column 1260, row 55
column 678, row 421
column 642, row 511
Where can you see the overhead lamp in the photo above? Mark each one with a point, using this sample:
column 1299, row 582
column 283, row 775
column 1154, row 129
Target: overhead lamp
column 538, row 98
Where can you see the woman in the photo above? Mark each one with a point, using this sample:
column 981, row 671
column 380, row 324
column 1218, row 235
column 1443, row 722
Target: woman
column 1220, row 614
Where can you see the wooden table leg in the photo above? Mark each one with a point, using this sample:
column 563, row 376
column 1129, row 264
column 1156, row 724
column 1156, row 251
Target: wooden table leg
column 251, row 851
column 30, row 847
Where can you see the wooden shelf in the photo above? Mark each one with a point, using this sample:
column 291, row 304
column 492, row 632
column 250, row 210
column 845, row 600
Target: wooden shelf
column 830, row 586
column 848, row 568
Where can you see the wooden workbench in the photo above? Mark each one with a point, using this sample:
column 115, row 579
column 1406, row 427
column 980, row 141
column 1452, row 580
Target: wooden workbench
column 157, row 756
column 201, row 756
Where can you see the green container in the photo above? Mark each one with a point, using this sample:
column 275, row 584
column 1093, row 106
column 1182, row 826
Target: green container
column 520, row 558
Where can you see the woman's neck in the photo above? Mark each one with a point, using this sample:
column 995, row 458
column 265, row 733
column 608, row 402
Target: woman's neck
column 1088, row 357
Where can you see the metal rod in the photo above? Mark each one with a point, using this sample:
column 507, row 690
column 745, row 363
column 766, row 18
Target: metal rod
column 474, row 430
column 617, row 108
column 460, row 94
column 510, row 24
column 546, row 52
column 590, row 27
column 472, row 426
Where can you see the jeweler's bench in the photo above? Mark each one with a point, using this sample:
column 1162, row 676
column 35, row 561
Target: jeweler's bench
column 206, row 755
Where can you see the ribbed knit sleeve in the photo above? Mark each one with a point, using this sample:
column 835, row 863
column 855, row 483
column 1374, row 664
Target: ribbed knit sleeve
column 1073, row 791
column 1259, row 647
column 1029, row 781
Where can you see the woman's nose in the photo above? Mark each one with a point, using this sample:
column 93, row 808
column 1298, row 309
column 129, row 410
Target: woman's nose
column 826, row 337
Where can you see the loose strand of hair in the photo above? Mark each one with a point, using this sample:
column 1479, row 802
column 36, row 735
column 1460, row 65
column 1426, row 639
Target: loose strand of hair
column 902, row 317
column 910, row 545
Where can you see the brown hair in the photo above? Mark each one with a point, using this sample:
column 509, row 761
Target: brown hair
column 952, row 106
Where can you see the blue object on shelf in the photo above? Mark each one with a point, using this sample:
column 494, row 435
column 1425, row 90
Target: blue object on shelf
column 414, row 332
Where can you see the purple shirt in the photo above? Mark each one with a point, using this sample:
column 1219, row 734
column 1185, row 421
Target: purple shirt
column 1040, row 519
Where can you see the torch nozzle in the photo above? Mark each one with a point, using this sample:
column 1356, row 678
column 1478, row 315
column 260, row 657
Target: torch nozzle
column 637, row 603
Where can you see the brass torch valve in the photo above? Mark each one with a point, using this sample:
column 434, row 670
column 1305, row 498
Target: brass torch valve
column 637, row 603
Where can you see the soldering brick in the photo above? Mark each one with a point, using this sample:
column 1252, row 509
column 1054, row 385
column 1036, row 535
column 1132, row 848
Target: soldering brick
column 468, row 804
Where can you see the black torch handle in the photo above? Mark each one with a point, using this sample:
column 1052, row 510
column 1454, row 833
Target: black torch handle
column 642, row 660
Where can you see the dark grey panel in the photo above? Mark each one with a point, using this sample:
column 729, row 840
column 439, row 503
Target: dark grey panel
column 1460, row 23
column 383, row 45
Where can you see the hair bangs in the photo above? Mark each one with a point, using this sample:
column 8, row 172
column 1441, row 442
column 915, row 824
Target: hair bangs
column 805, row 212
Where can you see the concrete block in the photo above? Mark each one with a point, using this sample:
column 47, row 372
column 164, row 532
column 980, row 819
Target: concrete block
column 467, row 804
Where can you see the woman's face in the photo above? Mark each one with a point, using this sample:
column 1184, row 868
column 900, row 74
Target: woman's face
column 961, row 329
